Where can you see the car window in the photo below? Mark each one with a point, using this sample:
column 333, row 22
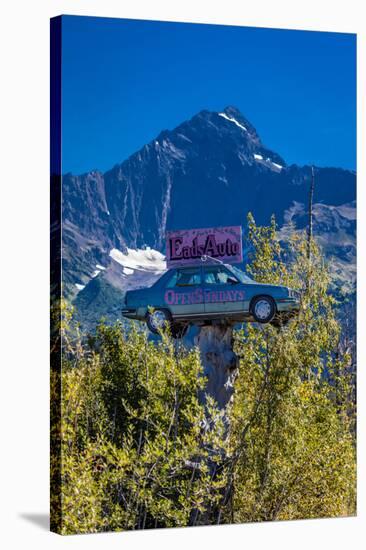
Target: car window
column 218, row 276
column 185, row 277
column 243, row 277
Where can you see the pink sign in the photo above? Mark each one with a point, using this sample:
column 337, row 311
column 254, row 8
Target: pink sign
column 187, row 247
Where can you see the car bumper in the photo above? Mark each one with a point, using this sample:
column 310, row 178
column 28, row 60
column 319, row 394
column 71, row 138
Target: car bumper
column 288, row 305
column 130, row 313
column 138, row 313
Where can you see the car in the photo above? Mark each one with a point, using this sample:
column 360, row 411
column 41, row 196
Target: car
column 202, row 294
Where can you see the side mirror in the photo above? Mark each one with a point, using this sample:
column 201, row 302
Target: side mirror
column 232, row 281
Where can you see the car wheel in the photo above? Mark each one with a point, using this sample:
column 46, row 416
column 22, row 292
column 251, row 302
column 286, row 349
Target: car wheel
column 263, row 309
column 158, row 319
column 179, row 330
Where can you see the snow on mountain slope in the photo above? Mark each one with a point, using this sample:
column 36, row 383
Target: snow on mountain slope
column 232, row 119
column 268, row 162
column 131, row 269
column 144, row 260
column 134, row 268
column 103, row 294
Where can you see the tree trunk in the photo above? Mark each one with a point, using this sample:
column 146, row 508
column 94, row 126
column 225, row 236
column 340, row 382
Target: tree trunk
column 220, row 364
column 219, row 361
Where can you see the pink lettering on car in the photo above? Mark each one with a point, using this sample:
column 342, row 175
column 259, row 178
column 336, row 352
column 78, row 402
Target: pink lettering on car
column 171, row 297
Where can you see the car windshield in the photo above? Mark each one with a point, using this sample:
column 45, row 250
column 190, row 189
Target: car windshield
column 243, row 278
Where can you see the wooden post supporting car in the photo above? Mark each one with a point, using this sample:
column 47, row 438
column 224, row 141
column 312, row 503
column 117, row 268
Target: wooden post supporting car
column 219, row 361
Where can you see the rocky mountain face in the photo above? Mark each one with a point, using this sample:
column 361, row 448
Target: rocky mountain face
column 335, row 231
column 210, row 170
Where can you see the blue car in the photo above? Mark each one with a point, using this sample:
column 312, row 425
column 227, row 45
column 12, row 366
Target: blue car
column 205, row 293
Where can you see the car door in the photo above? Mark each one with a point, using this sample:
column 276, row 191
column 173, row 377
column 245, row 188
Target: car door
column 184, row 293
column 223, row 292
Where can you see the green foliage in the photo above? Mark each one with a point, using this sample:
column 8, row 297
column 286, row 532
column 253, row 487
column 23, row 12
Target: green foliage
column 134, row 448
column 135, row 451
column 98, row 299
column 292, row 419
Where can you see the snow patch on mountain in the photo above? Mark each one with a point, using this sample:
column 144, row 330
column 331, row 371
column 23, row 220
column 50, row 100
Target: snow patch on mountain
column 148, row 259
column 231, row 119
column 79, row 286
column 134, row 268
column 268, row 162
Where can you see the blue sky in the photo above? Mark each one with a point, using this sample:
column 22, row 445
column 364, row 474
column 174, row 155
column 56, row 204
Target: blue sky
column 124, row 81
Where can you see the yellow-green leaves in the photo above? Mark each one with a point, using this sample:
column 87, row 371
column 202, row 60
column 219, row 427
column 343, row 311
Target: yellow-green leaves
column 292, row 419
column 134, row 449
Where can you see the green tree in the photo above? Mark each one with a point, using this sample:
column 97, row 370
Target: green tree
column 135, row 448
column 292, row 438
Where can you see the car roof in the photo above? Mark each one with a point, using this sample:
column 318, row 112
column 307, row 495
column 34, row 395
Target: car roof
column 203, row 264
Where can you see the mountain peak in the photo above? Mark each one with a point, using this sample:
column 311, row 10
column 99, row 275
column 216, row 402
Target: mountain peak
column 233, row 114
column 230, row 119
column 231, row 110
column 218, row 135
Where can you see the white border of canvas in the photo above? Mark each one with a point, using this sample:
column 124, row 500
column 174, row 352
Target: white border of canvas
column 24, row 200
